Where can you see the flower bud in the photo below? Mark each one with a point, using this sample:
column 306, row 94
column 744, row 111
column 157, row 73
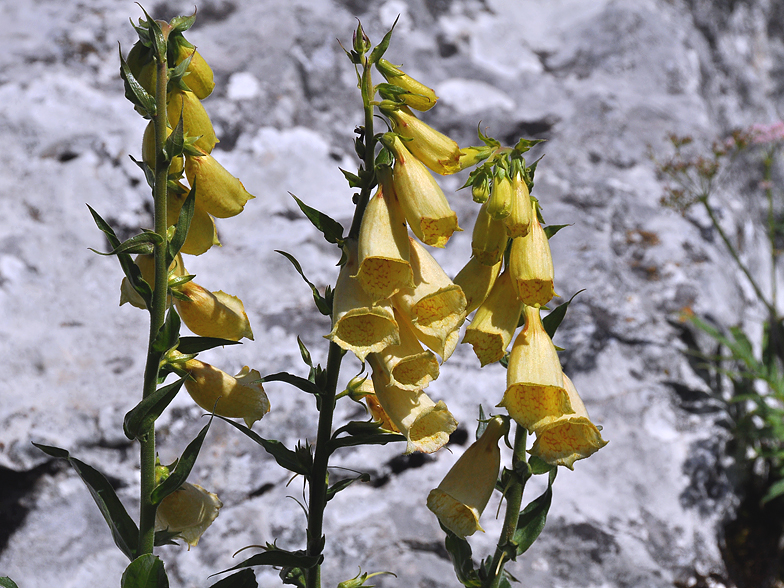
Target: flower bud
column 463, row 494
column 535, row 385
column 519, row 220
column 407, row 365
column 359, row 325
column 425, row 424
column 217, row 191
column 424, row 204
column 565, row 439
column 202, row 233
column 495, row 321
column 476, row 280
column 195, row 120
column 241, row 396
column 437, row 151
column 499, row 205
column 470, row 156
column 532, row 265
column 489, row 238
column 420, row 97
column 142, row 65
column 480, row 189
column 213, row 314
column 384, row 268
column 188, row 511
column 199, row 77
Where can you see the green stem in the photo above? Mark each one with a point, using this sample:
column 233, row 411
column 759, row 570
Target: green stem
column 368, row 93
column 514, row 498
column 157, row 313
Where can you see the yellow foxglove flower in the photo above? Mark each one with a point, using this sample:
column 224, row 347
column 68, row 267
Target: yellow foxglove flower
column 362, row 387
column 424, row 204
column 407, row 365
column 495, row 321
column 238, row 397
column 213, row 314
column 477, row 279
column 202, row 233
column 199, row 77
column 195, row 120
column 148, row 150
column 532, row 265
column 359, row 325
column 519, row 220
column 217, row 191
column 499, row 205
column 384, row 268
column 464, row 492
column 565, row 439
column 146, row 264
column 437, row 151
column 534, row 378
column 489, row 238
column 189, row 510
column 436, row 305
column 425, row 424
column 420, row 97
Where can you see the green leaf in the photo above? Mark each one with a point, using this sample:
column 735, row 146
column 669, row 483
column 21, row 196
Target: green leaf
column 539, row 466
column 343, row 484
column 462, row 559
column 304, row 353
column 323, row 303
column 140, row 418
column 184, row 466
column 7, row 582
column 482, row 422
column 285, row 457
column 123, row 528
column 532, row 519
column 166, row 537
column 362, row 433
column 158, row 40
column 183, row 224
column 294, row 577
column 142, row 243
column 188, row 345
column 553, row 320
column 279, row 557
column 551, row 230
column 169, row 334
column 297, row 381
column 180, row 24
column 774, row 491
column 330, row 228
column 381, row 48
column 354, row 180
column 134, row 91
column 146, row 571
column 149, row 173
column 244, row 579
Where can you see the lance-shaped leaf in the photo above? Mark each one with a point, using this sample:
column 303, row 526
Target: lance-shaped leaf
column 184, row 466
column 551, row 230
column 286, row 458
column 279, row 557
column 139, row 419
column 7, row 582
column 297, row 381
column 142, row 243
column 343, row 484
column 124, row 529
column 183, row 224
column 331, row 229
column 362, row 433
column 460, row 553
column 531, row 521
column 243, row 579
column 188, row 345
column 146, row 571
column 322, row 303
column 378, row 51
column 553, row 320
column 134, row 91
column 169, row 333
column 149, row 173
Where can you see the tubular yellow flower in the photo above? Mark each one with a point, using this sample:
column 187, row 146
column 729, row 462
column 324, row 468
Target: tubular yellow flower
column 384, row 268
column 359, row 325
column 425, row 424
column 199, row 77
column 241, row 396
column 146, row 264
column 532, row 265
column 535, row 385
column 436, row 306
column 362, row 386
column 499, row 205
column 495, row 321
column 489, row 238
column 424, row 204
column 217, row 191
column 565, row 439
column 519, row 220
column 437, row 151
column 420, row 97
column 213, row 314
column 407, row 365
column 195, row 120
column 464, row 492
column 476, row 279
column 189, row 510
column 202, row 233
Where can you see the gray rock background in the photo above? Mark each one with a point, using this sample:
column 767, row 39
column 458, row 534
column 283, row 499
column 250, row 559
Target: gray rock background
column 603, row 81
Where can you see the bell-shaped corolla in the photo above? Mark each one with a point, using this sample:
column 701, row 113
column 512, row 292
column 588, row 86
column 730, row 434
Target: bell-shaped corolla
column 407, row 365
column 383, row 247
column 217, row 191
column 424, row 204
column 146, row 264
column 565, row 439
column 436, row 305
column 234, row 397
column 489, row 238
column 212, row 314
column 499, row 205
column 495, row 321
column 437, row 151
column 419, row 96
column 187, row 511
column 532, row 265
column 195, row 120
column 534, row 378
column 202, row 233
column 359, row 325
column 518, row 223
column 476, row 279
column 464, row 492
column 425, row 424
